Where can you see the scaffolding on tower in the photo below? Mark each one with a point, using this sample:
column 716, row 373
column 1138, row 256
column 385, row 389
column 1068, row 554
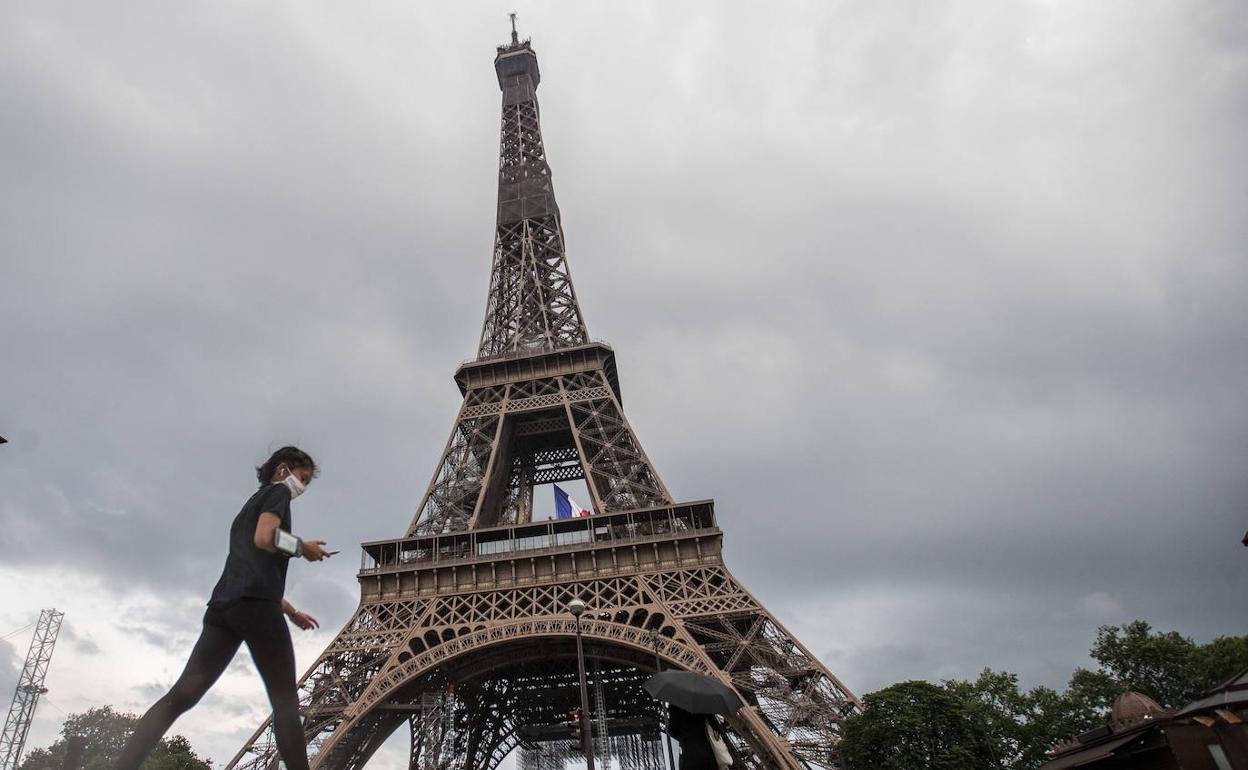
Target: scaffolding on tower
column 29, row 688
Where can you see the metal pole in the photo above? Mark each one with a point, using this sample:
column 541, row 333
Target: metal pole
column 658, row 666
column 587, row 726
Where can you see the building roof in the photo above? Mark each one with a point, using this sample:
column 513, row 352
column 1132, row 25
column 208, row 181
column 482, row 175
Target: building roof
column 1137, row 725
column 1130, row 718
column 1088, row 754
column 1133, row 708
column 1232, row 693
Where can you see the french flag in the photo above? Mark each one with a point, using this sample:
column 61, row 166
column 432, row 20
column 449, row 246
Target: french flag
column 566, row 507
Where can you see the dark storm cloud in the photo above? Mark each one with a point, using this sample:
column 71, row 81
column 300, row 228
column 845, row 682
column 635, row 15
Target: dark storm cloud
column 183, row 293
column 1004, row 363
column 942, row 303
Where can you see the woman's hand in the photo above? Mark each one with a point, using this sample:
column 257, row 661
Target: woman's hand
column 312, row 550
column 303, row 620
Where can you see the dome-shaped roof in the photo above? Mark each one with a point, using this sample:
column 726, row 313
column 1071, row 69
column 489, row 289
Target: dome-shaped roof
column 1131, row 708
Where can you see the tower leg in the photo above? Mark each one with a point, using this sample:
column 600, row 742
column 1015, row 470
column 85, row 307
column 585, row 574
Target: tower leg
column 452, row 497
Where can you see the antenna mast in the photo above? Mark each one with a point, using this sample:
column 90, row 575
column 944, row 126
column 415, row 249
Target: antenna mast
column 29, row 688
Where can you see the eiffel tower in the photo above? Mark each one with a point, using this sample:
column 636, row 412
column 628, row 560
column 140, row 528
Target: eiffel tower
column 463, row 631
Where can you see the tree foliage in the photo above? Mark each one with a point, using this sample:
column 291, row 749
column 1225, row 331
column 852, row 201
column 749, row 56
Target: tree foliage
column 1023, row 725
column 991, row 724
column 1168, row 667
column 915, row 725
column 104, row 733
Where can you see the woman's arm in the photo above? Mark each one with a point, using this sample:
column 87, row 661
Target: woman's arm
column 265, row 527
column 268, row 524
column 301, row 619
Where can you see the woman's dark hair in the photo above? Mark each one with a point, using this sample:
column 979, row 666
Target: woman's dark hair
column 293, row 457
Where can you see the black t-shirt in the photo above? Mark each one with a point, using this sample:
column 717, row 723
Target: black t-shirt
column 250, row 572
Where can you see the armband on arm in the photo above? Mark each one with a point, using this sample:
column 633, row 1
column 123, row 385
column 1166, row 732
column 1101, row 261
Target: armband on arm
column 286, row 543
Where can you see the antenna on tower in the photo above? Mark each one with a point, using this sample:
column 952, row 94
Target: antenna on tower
column 515, row 39
column 29, row 688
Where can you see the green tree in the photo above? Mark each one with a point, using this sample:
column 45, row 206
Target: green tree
column 1022, row 726
column 1093, row 691
column 1218, row 661
column 104, row 733
column 1160, row 665
column 991, row 723
column 1051, row 718
column 994, row 701
column 916, row 726
column 1168, row 667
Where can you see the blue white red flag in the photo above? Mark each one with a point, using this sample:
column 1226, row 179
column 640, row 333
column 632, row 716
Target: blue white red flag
column 566, row 507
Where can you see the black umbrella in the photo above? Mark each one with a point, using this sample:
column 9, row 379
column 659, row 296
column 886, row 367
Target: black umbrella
column 695, row 693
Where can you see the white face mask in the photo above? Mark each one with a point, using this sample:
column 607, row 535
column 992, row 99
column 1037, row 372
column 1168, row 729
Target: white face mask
column 294, row 484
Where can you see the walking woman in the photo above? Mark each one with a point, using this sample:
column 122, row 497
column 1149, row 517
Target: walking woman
column 247, row 607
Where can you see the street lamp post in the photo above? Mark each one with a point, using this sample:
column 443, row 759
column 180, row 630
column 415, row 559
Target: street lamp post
column 577, row 607
column 658, row 666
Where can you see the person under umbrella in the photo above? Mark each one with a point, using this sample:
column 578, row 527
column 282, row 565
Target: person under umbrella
column 692, row 699
column 689, row 730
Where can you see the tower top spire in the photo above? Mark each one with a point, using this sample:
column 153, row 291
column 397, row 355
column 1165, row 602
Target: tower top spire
column 532, row 307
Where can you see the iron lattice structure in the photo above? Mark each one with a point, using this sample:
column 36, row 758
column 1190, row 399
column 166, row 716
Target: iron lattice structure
column 29, row 688
column 531, row 305
column 462, row 630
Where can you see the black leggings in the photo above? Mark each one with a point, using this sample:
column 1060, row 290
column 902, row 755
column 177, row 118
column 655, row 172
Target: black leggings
column 261, row 625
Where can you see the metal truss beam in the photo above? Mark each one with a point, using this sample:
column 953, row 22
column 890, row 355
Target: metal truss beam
column 29, row 687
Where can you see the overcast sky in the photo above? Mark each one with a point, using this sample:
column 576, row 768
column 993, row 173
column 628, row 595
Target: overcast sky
column 942, row 302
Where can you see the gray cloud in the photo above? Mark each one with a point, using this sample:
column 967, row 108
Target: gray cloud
column 81, row 640
column 172, row 627
column 330, row 600
column 151, row 691
column 10, row 668
column 229, row 707
column 942, row 304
